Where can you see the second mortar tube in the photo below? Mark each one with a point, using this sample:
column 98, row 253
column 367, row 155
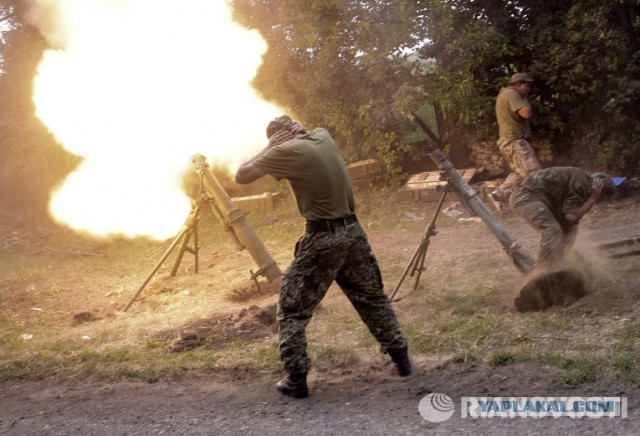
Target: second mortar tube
column 521, row 257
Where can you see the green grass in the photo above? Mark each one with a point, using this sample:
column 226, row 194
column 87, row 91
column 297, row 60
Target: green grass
column 625, row 354
column 267, row 358
column 578, row 369
column 121, row 363
column 502, row 358
column 456, row 312
column 335, row 355
column 625, row 363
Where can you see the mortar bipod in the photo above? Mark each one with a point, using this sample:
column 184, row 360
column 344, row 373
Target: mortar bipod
column 416, row 264
column 189, row 228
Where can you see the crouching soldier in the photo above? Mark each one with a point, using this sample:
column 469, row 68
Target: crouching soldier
column 553, row 201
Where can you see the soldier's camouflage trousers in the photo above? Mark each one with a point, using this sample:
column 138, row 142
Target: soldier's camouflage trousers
column 345, row 256
column 555, row 238
column 522, row 161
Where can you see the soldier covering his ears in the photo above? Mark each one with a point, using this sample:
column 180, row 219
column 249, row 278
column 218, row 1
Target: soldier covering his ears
column 334, row 247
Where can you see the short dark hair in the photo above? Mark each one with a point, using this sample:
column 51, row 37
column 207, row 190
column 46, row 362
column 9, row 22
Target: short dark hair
column 608, row 186
column 521, row 78
column 277, row 124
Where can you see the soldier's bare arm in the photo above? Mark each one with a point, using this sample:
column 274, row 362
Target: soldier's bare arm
column 596, row 192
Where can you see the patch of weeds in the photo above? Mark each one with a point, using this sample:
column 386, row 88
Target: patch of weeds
column 266, row 357
column 64, row 347
column 624, row 363
column 7, row 318
column 466, row 304
column 630, row 332
column 579, row 370
column 542, row 321
column 500, row 358
column 118, row 356
column 133, row 372
column 528, row 351
column 625, row 354
column 39, row 367
column 87, row 355
column 151, row 364
column 15, row 370
column 579, row 376
column 333, row 354
column 10, row 342
column 462, row 335
column 43, row 354
column 339, row 326
column 152, row 343
column 464, row 359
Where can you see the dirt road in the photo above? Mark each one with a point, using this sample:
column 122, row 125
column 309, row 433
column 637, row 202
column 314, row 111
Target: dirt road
column 340, row 404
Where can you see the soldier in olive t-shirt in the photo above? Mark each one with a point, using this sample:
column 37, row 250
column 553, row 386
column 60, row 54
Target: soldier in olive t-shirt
column 510, row 124
column 334, row 247
column 316, row 172
column 513, row 112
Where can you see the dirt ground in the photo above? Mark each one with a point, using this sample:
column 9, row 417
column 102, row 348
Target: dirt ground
column 362, row 398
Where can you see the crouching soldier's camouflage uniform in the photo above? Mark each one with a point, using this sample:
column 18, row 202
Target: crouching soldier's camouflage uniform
column 334, row 247
column 553, row 200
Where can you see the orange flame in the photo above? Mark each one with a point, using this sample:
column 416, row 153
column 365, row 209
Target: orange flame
column 136, row 87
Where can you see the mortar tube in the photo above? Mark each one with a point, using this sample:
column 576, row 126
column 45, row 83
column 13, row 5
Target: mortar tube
column 241, row 229
column 520, row 256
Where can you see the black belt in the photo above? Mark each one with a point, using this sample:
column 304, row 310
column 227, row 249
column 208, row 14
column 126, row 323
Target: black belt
column 330, row 225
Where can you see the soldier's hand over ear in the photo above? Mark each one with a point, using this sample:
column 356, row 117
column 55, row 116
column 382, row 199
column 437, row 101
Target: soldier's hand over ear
column 596, row 188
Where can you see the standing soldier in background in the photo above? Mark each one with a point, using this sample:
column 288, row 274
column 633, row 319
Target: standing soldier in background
column 334, row 247
column 513, row 112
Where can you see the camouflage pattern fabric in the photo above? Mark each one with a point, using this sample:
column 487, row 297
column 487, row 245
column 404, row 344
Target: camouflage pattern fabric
column 563, row 189
column 522, row 161
column 543, row 200
column 557, row 236
column 343, row 255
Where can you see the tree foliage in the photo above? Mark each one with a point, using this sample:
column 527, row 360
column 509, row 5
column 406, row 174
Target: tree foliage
column 333, row 63
column 592, row 76
column 359, row 67
column 31, row 161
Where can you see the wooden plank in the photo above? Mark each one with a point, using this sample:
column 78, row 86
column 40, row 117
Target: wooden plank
column 628, row 247
column 431, row 179
column 364, row 172
column 422, row 186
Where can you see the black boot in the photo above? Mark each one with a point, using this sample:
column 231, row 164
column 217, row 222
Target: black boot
column 294, row 386
column 401, row 359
